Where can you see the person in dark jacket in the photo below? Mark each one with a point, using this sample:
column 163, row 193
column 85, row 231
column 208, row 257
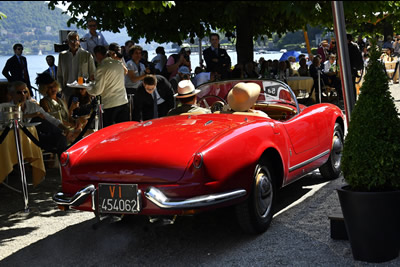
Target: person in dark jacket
column 16, row 68
column 154, row 98
column 217, row 59
column 52, row 70
column 356, row 61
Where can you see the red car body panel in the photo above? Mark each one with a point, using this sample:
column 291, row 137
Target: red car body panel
column 160, row 152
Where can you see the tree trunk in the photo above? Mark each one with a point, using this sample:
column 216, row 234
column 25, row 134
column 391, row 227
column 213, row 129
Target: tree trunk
column 244, row 41
column 387, row 30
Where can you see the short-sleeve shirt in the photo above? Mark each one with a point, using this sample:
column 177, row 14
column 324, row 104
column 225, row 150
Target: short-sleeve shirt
column 93, row 41
column 160, row 60
column 131, row 65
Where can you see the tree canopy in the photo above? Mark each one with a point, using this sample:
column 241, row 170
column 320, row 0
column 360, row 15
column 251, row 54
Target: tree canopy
column 167, row 21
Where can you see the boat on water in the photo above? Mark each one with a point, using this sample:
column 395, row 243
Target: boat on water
column 283, row 51
column 40, row 53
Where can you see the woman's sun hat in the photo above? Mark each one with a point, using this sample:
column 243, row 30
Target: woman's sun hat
column 243, row 96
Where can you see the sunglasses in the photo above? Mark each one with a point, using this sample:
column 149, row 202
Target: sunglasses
column 92, row 25
column 19, row 49
column 25, row 92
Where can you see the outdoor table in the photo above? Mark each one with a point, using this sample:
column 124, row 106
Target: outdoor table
column 31, row 154
column 298, row 83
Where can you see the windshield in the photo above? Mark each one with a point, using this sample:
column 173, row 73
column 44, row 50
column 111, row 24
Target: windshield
column 274, row 91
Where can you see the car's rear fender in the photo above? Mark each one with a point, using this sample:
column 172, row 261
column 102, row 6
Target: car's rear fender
column 229, row 160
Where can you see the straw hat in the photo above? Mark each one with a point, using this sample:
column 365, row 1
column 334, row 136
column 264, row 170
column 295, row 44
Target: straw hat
column 243, row 96
column 186, row 89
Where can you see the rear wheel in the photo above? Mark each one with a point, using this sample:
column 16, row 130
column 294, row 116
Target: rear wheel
column 255, row 214
column 332, row 168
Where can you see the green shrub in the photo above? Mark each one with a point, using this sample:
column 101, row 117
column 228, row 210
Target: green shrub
column 371, row 154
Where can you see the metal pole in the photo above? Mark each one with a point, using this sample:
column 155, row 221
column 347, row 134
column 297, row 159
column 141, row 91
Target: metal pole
column 319, row 86
column 310, row 55
column 21, row 164
column 130, row 98
column 99, row 113
column 343, row 57
column 200, row 53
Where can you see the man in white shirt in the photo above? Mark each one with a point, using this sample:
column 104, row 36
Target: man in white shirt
column 396, row 46
column 204, row 77
column 330, row 65
column 109, row 83
column 73, row 63
column 93, row 38
column 50, row 130
column 331, row 70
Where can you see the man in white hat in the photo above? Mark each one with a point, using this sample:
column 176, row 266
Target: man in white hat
column 187, row 96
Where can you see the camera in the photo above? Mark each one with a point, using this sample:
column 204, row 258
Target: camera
column 64, row 46
column 61, row 47
column 118, row 54
column 186, row 57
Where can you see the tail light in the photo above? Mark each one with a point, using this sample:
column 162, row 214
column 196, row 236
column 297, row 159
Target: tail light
column 64, row 159
column 198, row 160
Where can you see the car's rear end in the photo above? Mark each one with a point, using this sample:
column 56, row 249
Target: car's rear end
column 150, row 168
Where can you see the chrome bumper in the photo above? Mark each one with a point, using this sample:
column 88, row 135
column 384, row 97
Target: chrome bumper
column 158, row 198
column 154, row 195
column 77, row 199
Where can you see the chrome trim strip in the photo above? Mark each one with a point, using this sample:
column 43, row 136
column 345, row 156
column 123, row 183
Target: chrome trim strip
column 75, row 200
column 158, row 198
column 298, row 166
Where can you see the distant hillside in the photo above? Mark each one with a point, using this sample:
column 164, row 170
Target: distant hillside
column 37, row 28
column 31, row 23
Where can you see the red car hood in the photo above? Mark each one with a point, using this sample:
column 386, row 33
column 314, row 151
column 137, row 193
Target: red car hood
column 156, row 151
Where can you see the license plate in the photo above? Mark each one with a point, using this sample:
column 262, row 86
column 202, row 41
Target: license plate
column 118, row 198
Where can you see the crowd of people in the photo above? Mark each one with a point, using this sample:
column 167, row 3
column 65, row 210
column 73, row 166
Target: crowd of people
column 159, row 87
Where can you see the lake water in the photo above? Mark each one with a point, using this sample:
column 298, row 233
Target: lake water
column 38, row 64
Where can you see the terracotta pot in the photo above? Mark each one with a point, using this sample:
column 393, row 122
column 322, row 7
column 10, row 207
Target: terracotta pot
column 372, row 222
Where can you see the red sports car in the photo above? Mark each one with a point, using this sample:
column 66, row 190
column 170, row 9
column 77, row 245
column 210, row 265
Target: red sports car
column 185, row 164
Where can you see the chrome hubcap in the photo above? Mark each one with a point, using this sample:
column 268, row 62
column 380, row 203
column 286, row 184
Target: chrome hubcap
column 337, row 148
column 264, row 194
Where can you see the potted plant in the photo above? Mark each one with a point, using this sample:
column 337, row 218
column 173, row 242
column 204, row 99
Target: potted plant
column 370, row 201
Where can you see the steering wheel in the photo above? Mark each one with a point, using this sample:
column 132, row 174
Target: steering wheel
column 218, row 102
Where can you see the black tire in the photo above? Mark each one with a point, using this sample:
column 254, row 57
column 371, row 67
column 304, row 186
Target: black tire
column 332, row 168
column 255, row 214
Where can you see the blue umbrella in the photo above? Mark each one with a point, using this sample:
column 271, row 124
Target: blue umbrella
column 288, row 54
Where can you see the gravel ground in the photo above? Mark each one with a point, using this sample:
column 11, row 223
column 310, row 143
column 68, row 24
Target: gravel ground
column 298, row 236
